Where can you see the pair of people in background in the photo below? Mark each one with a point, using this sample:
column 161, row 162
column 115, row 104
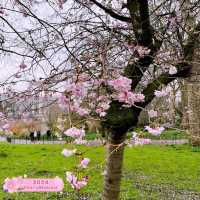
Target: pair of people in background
column 35, row 135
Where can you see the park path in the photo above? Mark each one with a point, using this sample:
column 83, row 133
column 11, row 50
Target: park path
column 92, row 142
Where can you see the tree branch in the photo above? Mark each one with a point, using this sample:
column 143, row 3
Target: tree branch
column 192, row 43
column 184, row 70
column 146, row 35
column 136, row 70
column 111, row 12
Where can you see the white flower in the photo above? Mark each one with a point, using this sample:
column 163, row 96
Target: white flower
column 67, row 152
column 134, row 134
column 104, row 173
column 172, row 70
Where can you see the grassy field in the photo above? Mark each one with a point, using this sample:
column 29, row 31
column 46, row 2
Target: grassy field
column 150, row 172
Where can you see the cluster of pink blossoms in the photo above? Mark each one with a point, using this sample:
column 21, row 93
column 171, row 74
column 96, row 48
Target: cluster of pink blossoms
column 68, row 153
column 172, row 70
column 84, row 162
column 155, row 131
column 122, row 85
column 142, row 141
column 75, row 93
column 139, row 141
column 102, row 106
column 75, row 132
column 152, row 113
column 84, row 95
column 22, row 66
column 75, row 182
column 5, row 125
column 140, row 50
column 162, row 93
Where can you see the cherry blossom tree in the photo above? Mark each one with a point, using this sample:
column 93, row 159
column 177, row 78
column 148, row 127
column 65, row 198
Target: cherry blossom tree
column 102, row 59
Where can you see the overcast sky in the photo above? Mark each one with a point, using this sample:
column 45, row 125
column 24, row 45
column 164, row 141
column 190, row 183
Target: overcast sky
column 9, row 63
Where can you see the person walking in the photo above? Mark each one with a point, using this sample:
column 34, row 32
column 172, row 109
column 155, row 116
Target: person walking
column 35, row 135
column 38, row 135
column 32, row 136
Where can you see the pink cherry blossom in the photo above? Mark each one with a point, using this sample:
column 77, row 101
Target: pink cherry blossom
column 121, row 84
column 152, row 113
column 79, row 90
column 84, row 162
column 6, row 126
column 74, row 182
column 98, row 82
column 76, row 107
column 1, row 11
column 82, row 111
column 22, row 66
column 17, row 75
column 83, row 77
column 142, row 51
column 1, row 115
column 161, row 93
column 75, row 132
column 101, row 112
column 129, row 97
column 142, row 141
column 60, row 3
column 139, row 97
column 64, row 102
column 172, row 70
column 155, row 131
column 104, row 105
column 81, row 183
column 68, row 153
column 80, row 141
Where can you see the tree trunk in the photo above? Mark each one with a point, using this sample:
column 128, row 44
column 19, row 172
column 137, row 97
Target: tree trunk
column 184, row 102
column 113, row 171
column 194, row 112
column 172, row 103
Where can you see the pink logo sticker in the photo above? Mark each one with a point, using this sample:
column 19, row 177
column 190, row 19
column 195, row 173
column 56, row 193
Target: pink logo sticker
column 19, row 184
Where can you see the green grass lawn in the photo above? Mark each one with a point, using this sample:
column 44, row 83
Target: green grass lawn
column 173, row 168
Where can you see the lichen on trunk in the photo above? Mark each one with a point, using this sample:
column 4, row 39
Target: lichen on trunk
column 113, row 171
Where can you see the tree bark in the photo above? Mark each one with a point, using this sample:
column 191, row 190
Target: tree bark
column 184, row 102
column 113, row 171
column 194, row 111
